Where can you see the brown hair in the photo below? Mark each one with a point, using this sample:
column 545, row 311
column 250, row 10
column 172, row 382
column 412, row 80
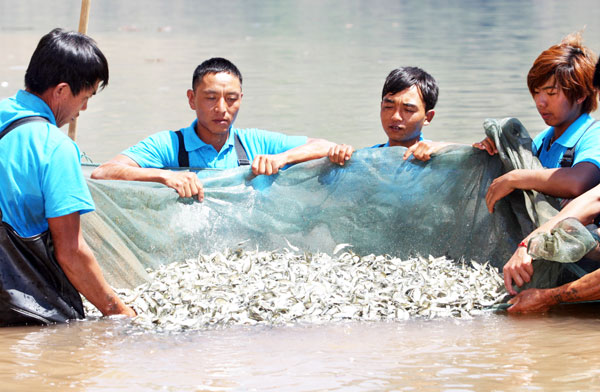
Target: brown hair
column 572, row 66
column 597, row 75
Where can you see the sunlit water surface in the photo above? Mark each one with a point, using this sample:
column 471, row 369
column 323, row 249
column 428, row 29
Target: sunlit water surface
column 314, row 68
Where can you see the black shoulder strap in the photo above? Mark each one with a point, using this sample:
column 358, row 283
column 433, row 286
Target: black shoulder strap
column 183, row 156
column 569, row 156
column 21, row 121
column 241, row 152
column 184, row 159
column 539, row 150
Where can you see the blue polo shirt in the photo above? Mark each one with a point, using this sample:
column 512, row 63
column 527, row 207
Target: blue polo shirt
column 40, row 168
column 587, row 143
column 388, row 143
column 161, row 149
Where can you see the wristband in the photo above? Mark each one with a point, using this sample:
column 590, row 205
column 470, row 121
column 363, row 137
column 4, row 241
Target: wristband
column 522, row 244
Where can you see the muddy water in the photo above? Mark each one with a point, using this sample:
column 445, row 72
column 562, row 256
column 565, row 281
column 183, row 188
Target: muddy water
column 315, row 68
column 554, row 352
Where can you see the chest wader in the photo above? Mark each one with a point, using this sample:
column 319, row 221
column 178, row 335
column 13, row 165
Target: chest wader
column 33, row 287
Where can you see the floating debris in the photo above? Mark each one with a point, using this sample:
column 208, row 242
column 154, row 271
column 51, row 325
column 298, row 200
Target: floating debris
column 281, row 287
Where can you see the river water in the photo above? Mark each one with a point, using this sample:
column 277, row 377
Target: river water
column 315, row 68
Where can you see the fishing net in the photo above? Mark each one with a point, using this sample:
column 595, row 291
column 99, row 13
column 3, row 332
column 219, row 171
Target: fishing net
column 377, row 202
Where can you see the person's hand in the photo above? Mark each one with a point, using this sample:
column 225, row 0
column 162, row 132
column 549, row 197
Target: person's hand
column 340, row 153
column 530, row 301
column 488, row 145
column 267, row 164
column 422, row 150
column 518, row 269
column 118, row 308
column 187, row 184
column 499, row 188
column 129, row 312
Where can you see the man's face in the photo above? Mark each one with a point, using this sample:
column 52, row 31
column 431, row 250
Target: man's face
column 216, row 100
column 70, row 105
column 403, row 115
column 554, row 107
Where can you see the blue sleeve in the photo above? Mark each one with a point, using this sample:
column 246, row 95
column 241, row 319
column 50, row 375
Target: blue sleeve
column 260, row 142
column 588, row 148
column 63, row 185
column 156, row 151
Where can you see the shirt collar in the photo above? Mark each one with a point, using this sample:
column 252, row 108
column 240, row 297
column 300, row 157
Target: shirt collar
column 573, row 133
column 387, row 144
column 193, row 142
column 35, row 105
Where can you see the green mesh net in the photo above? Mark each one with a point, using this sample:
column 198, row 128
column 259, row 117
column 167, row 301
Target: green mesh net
column 378, row 203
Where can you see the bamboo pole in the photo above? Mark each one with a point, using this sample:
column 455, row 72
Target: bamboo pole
column 84, row 18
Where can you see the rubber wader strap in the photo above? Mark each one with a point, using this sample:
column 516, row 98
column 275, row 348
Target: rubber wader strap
column 241, row 152
column 183, row 156
column 569, row 156
column 184, row 159
column 20, row 122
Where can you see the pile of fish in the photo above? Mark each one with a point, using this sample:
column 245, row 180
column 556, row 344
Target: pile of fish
column 290, row 286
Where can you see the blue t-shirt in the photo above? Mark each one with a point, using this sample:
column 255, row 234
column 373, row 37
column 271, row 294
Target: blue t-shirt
column 586, row 142
column 388, row 143
column 40, row 168
column 161, row 149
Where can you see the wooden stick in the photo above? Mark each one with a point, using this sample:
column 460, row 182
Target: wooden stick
column 84, row 18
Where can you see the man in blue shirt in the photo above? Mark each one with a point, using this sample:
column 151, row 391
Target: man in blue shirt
column 408, row 100
column 42, row 186
column 210, row 141
column 561, row 84
column 584, row 208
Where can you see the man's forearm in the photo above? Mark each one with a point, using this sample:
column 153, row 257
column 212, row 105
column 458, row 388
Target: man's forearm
column 119, row 171
column 80, row 266
column 313, row 149
column 560, row 182
column 583, row 208
column 586, row 288
column 85, row 274
column 547, row 181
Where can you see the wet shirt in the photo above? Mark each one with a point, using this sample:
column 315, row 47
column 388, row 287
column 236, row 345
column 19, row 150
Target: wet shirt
column 161, row 149
column 40, row 169
column 586, row 142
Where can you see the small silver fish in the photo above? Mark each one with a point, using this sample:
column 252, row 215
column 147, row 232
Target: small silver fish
column 288, row 286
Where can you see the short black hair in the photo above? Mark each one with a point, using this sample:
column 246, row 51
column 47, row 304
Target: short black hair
column 597, row 75
column 402, row 78
column 213, row 66
column 66, row 57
